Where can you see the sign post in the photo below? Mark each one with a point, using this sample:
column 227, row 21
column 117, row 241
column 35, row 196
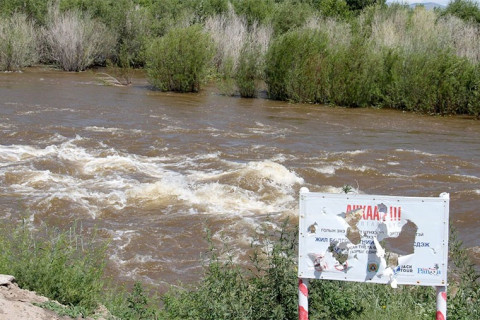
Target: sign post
column 373, row 239
column 303, row 299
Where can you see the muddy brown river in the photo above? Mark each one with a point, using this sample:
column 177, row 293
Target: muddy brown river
column 152, row 170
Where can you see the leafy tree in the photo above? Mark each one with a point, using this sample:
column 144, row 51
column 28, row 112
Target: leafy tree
column 358, row 5
column 254, row 10
column 466, row 10
column 333, row 8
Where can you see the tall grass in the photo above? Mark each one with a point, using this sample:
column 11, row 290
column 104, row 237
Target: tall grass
column 240, row 51
column 423, row 31
column 75, row 41
column 59, row 265
column 69, row 267
column 229, row 32
column 18, row 43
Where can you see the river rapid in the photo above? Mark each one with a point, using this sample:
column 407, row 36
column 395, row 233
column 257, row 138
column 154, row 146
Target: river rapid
column 151, row 170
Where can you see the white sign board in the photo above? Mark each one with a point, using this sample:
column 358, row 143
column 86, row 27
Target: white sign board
column 378, row 239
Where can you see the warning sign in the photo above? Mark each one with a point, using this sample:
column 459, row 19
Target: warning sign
column 379, row 239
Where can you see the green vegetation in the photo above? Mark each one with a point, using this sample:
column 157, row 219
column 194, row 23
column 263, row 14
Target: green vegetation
column 66, row 267
column 467, row 10
column 18, row 43
column 179, row 60
column 353, row 53
column 75, row 41
column 295, row 66
column 59, row 265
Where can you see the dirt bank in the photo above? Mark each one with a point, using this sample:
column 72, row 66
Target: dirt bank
column 18, row 304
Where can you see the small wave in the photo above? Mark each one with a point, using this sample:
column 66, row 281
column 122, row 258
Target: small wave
column 112, row 130
column 273, row 171
column 17, row 153
column 355, row 152
column 414, row 151
column 326, row 170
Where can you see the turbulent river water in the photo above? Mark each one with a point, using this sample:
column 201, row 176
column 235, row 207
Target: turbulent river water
column 152, row 170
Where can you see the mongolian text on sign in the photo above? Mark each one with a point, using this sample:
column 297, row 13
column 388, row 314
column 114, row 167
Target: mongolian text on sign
column 379, row 239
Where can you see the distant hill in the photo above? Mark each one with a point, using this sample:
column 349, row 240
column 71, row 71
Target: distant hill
column 428, row 5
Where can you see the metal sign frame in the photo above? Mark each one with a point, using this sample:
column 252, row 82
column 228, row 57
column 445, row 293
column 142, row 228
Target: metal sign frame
column 373, row 239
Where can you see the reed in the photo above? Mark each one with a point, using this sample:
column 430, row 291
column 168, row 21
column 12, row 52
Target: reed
column 60, row 265
column 18, row 43
column 240, row 52
column 75, row 41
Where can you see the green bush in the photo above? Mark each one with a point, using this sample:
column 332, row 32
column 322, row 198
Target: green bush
column 296, row 66
column 474, row 92
column 170, row 14
column 267, row 289
column 228, row 291
column 179, row 60
column 58, row 265
column 439, row 83
column 354, row 74
column 466, row 10
column 18, row 43
column 290, row 15
column 65, row 267
column 358, row 5
column 254, row 10
column 465, row 303
column 207, row 8
column 35, row 10
column 248, row 72
column 334, row 8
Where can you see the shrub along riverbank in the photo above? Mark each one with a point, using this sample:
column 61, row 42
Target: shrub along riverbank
column 67, row 267
column 340, row 52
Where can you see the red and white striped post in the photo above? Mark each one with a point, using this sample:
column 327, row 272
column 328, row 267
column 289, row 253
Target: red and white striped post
column 442, row 290
column 302, row 299
column 441, row 303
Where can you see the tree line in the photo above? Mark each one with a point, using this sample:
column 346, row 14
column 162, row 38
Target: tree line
column 353, row 53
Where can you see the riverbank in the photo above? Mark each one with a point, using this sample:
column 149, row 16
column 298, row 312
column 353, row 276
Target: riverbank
column 369, row 56
column 264, row 289
column 20, row 304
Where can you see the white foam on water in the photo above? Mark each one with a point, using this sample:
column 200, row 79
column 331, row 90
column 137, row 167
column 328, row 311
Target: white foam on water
column 326, row 170
column 354, row 152
column 414, row 151
column 275, row 172
column 268, row 130
column 7, row 126
column 217, row 192
column 97, row 178
column 19, row 153
column 113, row 130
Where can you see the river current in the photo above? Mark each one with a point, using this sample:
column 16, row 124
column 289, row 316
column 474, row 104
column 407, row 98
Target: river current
column 151, row 170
